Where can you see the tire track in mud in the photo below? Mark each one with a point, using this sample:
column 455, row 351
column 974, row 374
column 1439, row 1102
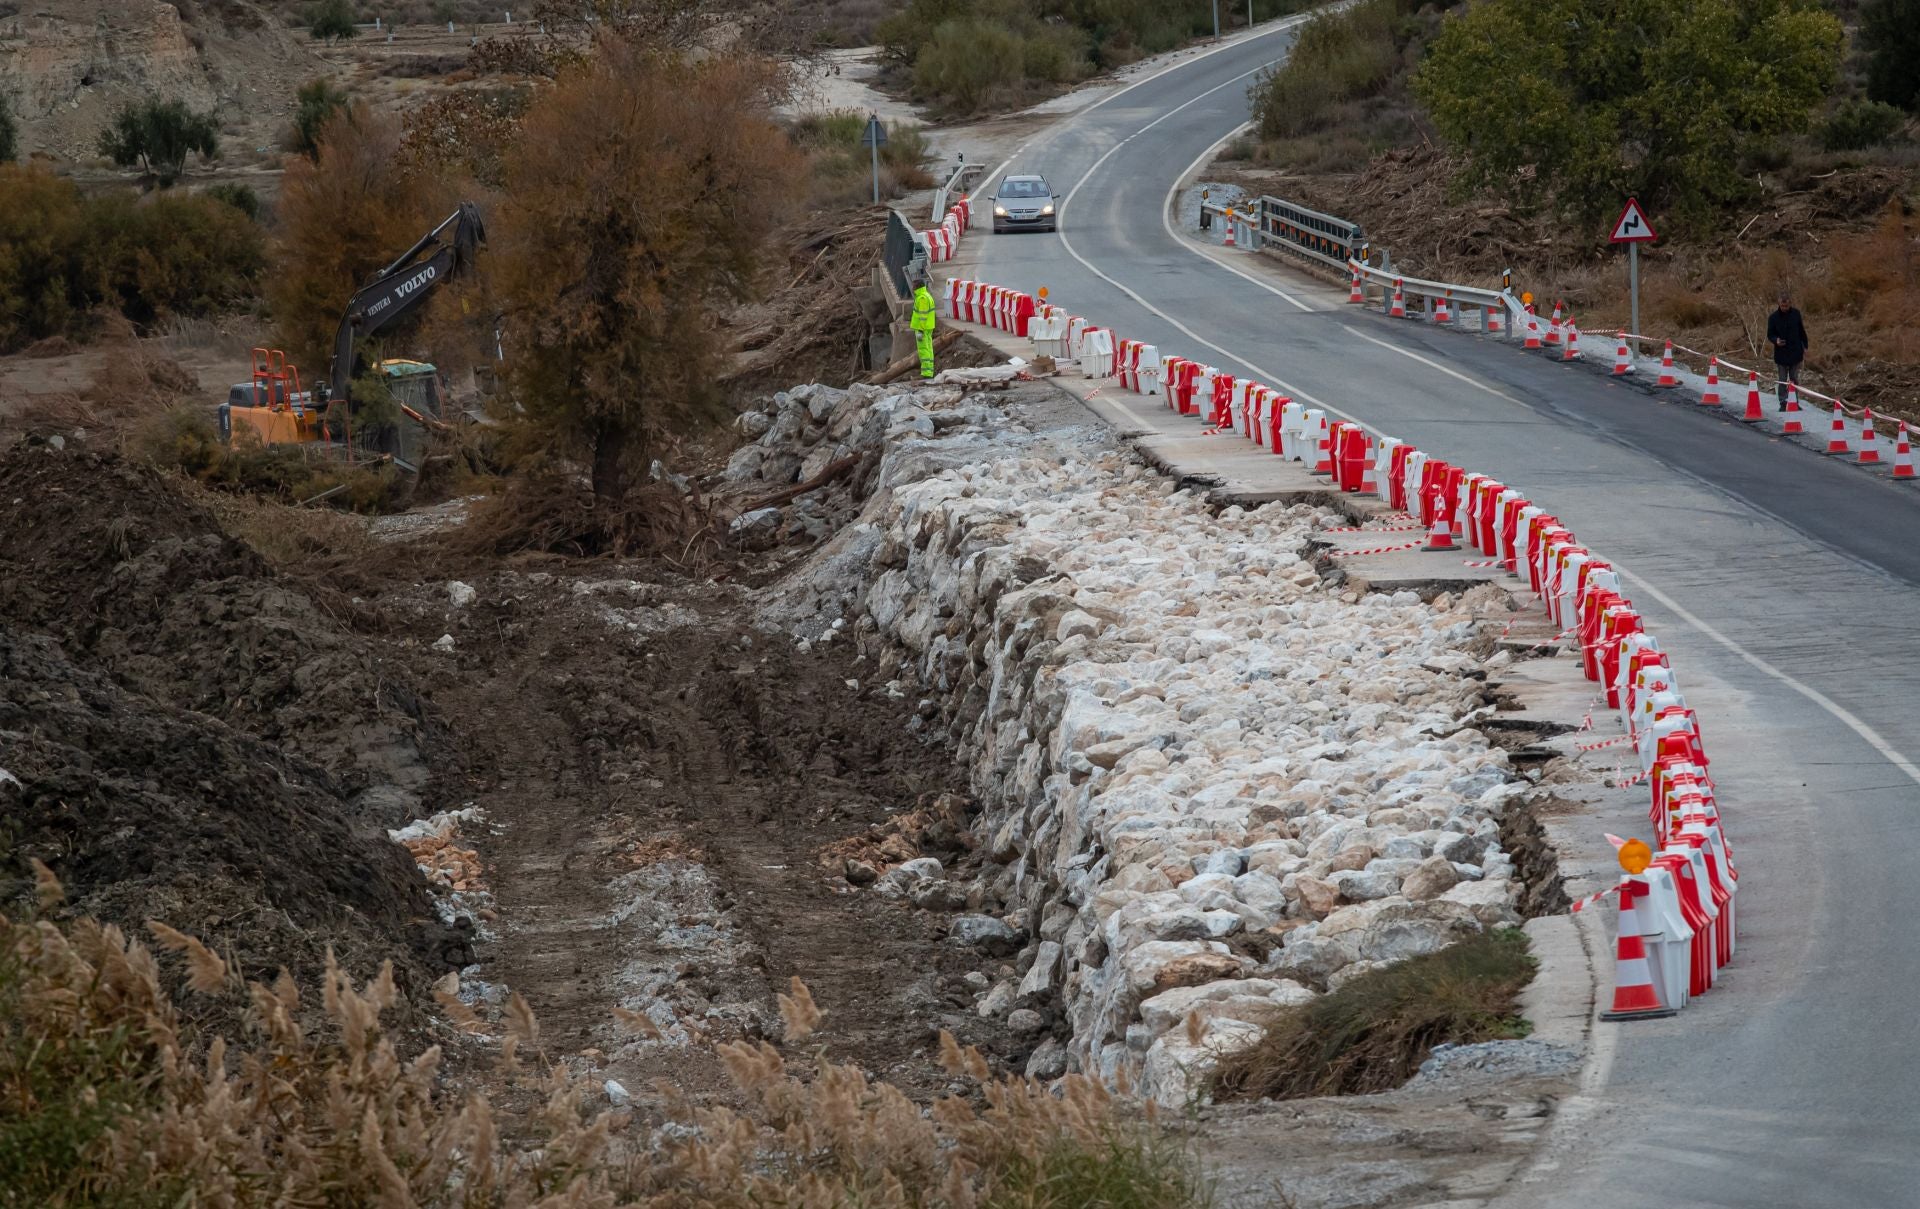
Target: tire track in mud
column 658, row 808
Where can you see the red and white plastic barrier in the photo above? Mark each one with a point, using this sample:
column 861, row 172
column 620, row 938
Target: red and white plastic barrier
column 1677, row 917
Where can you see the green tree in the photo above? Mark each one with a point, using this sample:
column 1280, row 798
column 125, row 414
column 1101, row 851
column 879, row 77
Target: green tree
column 314, row 105
column 332, row 21
column 638, row 198
column 159, row 135
column 1587, row 101
column 1890, row 34
column 9, row 134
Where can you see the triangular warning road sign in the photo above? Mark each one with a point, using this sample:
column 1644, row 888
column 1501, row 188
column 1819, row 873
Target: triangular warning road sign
column 1633, row 226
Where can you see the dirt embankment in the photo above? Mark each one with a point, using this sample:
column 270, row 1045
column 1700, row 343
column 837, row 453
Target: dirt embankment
column 190, row 737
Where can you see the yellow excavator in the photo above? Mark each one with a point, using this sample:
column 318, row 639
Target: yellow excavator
column 272, row 407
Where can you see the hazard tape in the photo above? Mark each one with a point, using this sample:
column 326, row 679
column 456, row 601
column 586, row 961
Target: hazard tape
column 1376, row 529
column 1376, row 550
column 1489, row 562
column 1613, row 742
column 1582, row 904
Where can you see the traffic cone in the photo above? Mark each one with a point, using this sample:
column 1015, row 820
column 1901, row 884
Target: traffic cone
column 1753, row 414
column 1533, row 333
column 1323, row 448
column 1441, row 313
column 1791, row 425
column 1633, row 995
column 1357, row 295
column 1493, row 324
column 1902, row 455
column 1440, row 533
column 1553, row 325
column 1837, row 436
column 1667, row 376
column 1573, row 342
column 1622, row 359
column 1710, row 397
column 1231, row 224
column 1869, row 443
column 1399, row 307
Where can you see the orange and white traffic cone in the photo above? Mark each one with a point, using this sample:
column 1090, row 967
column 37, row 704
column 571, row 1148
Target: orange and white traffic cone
column 1231, row 224
column 1791, row 425
column 1902, row 455
column 1837, row 435
column 1440, row 533
column 1753, row 413
column 1869, row 443
column 1710, row 397
column 1553, row 325
column 1493, row 324
column 1533, row 332
column 1622, row 359
column 1667, row 376
column 1633, row 995
column 1399, row 306
column 1441, row 311
column 1357, row 294
column 1573, row 342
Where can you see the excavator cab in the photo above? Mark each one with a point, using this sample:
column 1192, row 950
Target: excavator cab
column 270, row 407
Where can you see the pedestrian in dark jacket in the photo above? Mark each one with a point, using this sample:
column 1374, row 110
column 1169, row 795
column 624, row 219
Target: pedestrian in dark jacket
column 1787, row 333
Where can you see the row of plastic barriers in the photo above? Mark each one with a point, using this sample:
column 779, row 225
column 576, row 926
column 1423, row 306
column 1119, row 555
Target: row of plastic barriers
column 943, row 240
column 1676, row 900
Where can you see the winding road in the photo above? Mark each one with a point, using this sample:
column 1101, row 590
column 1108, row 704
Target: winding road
column 1783, row 583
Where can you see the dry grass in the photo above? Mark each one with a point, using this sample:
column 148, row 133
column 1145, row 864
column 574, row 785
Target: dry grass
column 1372, row 1033
column 107, row 1098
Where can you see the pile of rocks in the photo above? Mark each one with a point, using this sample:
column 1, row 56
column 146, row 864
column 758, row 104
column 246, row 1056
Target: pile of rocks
column 1214, row 784
column 797, row 434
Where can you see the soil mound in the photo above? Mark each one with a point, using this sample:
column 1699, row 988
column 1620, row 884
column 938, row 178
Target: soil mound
column 189, row 736
column 140, row 583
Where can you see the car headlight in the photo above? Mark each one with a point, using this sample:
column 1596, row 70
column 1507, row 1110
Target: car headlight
column 1047, row 209
column 999, row 210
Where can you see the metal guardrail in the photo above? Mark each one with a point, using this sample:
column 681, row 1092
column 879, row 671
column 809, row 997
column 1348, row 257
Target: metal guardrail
column 1295, row 228
column 962, row 179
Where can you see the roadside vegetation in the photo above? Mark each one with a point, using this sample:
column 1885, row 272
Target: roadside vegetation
column 68, row 255
column 1773, row 142
column 113, row 1093
column 964, row 56
column 1372, row 1034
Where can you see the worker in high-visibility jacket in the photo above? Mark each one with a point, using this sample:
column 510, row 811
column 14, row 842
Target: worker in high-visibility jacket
column 922, row 324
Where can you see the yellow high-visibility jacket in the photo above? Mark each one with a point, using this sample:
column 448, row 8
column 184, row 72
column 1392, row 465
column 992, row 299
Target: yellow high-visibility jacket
column 923, row 311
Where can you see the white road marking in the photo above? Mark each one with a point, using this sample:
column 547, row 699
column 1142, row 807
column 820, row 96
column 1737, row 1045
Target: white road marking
column 1166, row 218
column 1845, row 717
column 1278, row 26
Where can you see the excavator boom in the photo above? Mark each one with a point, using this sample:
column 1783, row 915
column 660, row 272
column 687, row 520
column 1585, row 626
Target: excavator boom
column 402, row 286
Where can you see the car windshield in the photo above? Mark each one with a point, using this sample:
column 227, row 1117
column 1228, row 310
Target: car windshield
column 1027, row 188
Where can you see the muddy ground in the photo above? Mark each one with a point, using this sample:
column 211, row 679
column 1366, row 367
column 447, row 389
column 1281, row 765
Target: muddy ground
column 662, row 799
column 190, row 736
column 669, row 796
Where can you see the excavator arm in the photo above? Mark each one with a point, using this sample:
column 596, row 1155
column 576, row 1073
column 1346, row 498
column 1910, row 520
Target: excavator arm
column 399, row 289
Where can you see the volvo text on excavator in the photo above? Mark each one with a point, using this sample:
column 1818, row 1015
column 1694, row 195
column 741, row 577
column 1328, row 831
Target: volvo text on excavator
column 273, row 408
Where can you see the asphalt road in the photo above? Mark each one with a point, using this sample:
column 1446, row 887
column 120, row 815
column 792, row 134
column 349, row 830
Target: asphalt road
column 1782, row 582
